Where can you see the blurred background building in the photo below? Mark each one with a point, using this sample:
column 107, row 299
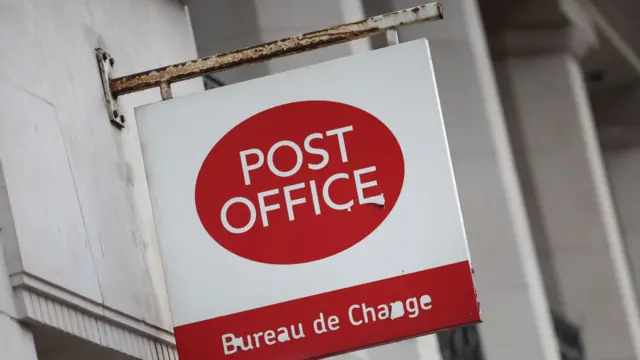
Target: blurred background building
column 541, row 100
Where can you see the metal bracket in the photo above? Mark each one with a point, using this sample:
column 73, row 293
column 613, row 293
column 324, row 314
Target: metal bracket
column 392, row 37
column 106, row 64
column 163, row 77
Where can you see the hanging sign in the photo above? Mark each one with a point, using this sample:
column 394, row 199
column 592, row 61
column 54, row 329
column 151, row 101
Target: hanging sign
column 309, row 213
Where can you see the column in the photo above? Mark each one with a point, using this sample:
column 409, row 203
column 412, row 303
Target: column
column 517, row 322
column 618, row 110
column 623, row 167
column 568, row 198
column 16, row 341
column 282, row 18
column 76, row 224
column 221, row 26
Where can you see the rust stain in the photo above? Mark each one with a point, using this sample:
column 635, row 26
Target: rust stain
column 288, row 46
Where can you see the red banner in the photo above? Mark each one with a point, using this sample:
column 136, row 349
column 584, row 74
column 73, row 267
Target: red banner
column 335, row 322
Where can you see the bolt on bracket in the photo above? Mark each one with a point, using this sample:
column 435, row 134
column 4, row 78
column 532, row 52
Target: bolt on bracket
column 105, row 65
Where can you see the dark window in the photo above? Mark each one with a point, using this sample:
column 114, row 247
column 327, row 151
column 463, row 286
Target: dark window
column 460, row 344
column 211, row 82
column 569, row 339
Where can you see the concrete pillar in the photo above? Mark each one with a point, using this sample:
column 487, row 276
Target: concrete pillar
column 224, row 25
column 517, row 322
column 76, row 224
column 283, row 18
column 623, row 168
column 568, row 199
column 16, row 341
column 618, row 109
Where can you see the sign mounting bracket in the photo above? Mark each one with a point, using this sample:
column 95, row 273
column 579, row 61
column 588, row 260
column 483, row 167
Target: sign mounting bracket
column 105, row 66
column 163, row 77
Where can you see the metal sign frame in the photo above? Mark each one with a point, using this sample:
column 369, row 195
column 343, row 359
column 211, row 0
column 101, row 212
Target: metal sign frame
column 163, row 77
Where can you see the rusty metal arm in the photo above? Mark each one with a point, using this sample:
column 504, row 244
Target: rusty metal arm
column 163, row 77
column 288, row 46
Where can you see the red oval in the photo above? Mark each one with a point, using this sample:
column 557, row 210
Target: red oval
column 308, row 236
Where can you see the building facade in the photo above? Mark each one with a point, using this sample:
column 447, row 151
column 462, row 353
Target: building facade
column 541, row 104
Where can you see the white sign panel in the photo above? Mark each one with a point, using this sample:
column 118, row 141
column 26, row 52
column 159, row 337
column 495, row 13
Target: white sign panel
column 311, row 212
